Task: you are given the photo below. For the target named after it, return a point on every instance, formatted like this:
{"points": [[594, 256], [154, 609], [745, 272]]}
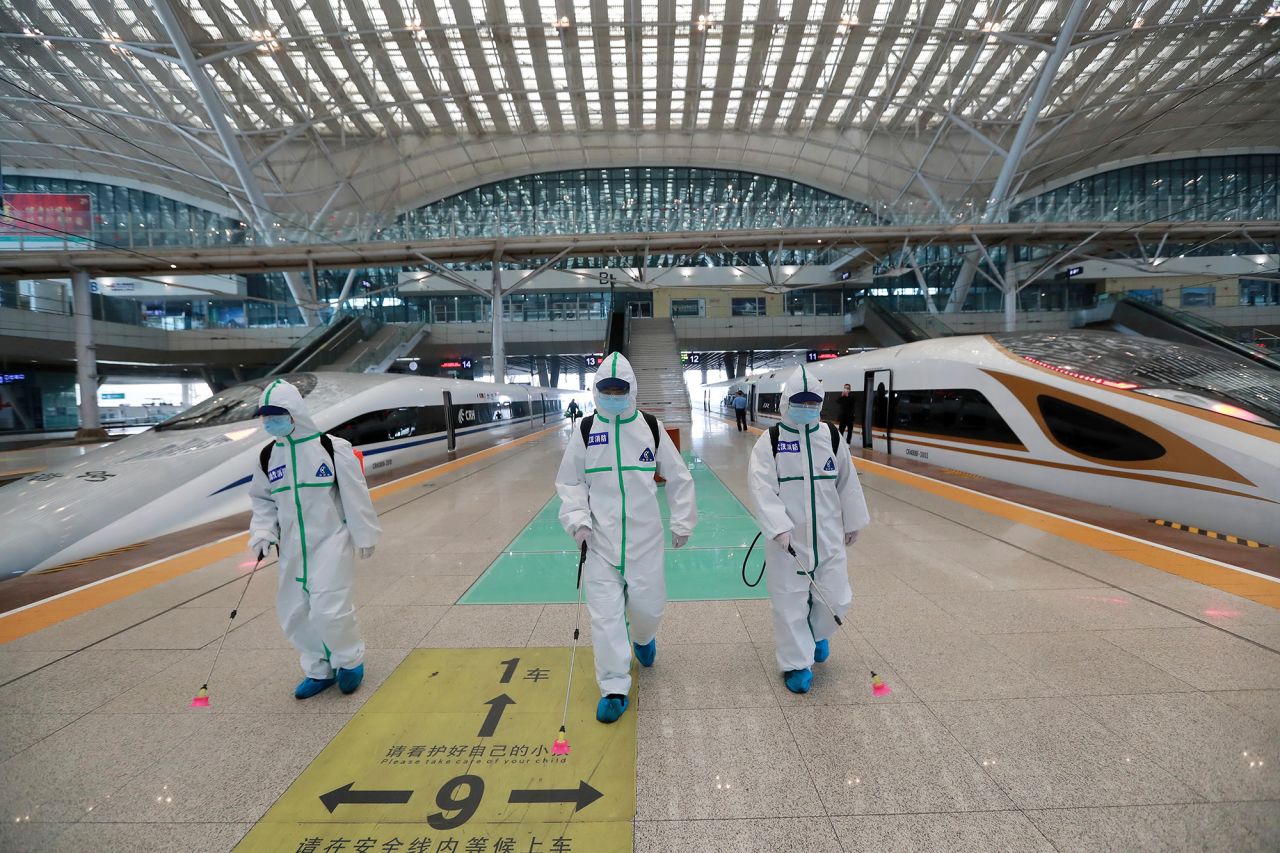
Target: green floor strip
{"points": [[540, 565]]}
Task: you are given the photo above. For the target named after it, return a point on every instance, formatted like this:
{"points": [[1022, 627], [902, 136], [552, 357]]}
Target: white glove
{"points": [[581, 535], [365, 553], [678, 541], [259, 543], [783, 539], [850, 537]]}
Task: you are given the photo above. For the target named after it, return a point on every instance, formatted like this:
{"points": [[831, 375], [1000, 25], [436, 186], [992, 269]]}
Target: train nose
{"points": [[27, 543]]}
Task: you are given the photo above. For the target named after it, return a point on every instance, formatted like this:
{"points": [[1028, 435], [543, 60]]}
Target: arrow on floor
{"points": [[582, 796], [497, 705], [339, 796]]}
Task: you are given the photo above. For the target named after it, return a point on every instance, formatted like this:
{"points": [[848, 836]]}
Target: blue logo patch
{"points": [[275, 474], [647, 456], [830, 466], [323, 470], [788, 447], [597, 438]]}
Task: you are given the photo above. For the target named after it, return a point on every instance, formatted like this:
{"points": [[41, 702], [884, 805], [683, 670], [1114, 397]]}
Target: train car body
{"points": [[1160, 429], [196, 467]]}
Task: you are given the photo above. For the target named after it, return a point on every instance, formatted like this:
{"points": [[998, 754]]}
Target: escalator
{"points": [[324, 345], [1134, 316], [891, 328]]}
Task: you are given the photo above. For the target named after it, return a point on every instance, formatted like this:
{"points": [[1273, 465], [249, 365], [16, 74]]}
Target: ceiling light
{"points": [[563, 23], [991, 26], [1138, 22], [704, 22], [847, 22]]}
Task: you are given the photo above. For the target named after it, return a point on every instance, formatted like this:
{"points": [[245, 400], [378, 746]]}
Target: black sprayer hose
{"points": [[744, 564]]}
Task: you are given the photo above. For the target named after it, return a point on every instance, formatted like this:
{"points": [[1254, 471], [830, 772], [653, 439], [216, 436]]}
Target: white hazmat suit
{"points": [[318, 509], [811, 490], [606, 484]]}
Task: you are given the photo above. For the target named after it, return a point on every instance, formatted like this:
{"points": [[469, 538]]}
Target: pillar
{"points": [[499, 345], [86, 357]]}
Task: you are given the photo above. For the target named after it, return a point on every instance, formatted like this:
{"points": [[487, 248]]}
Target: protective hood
{"points": [[617, 366], [800, 379], [282, 394]]}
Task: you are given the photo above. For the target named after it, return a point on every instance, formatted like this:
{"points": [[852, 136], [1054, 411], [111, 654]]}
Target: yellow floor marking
{"points": [[42, 614], [1242, 582], [455, 747]]}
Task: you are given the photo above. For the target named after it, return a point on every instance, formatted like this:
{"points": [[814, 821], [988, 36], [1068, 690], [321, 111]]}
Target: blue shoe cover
{"points": [[821, 651], [349, 679], [311, 686], [646, 653], [611, 707], [798, 680]]}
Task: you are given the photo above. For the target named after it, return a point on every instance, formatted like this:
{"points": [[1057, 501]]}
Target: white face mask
{"points": [[805, 413], [614, 404]]}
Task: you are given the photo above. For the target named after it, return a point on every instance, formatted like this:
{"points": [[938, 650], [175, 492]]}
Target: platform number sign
{"points": [[467, 364], [694, 358], [593, 360]]}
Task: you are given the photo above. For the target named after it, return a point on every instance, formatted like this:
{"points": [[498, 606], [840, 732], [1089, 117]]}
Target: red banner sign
{"points": [[47, 214]]}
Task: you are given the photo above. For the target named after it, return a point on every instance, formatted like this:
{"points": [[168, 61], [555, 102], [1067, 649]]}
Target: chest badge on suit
{"points": [[323, 470], [830, 466], [647, 456]]}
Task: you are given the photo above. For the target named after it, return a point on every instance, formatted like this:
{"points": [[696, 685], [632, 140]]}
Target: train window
{"points": [[951, 412], [768, 402], [234, 405], [391, 424], [537, 407], [1092, 434], [519, 409]]}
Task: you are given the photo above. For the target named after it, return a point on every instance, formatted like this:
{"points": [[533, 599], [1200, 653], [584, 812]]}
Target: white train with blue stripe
{"points": [[195, 468]]}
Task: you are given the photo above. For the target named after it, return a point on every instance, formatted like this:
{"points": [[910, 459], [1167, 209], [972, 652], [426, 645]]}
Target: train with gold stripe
{"points": [[195, 468], [1161, 429]]}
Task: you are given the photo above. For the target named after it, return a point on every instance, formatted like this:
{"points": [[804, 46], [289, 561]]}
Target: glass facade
{"points": [[1196, 188], [637, 199], [136, 218]]}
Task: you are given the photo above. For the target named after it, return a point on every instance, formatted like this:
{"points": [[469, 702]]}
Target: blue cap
{"points": [[270, 410], [613, 383], [805, 397]]}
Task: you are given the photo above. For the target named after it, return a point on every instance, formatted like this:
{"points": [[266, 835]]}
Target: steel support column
{"points": [[86, 356], [998, 203], [499, 345], [216, 110]]}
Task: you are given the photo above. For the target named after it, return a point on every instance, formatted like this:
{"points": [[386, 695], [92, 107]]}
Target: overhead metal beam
{"points": [[998, 201], [216, 110], [875, 240]]}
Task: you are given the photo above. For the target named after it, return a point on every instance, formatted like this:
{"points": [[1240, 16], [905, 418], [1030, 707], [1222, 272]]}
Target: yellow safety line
{"points": [[1242, 582], [42, 614]]}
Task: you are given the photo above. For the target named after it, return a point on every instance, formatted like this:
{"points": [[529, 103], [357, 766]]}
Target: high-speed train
{"points": [[196, 467], [1161, 429]]}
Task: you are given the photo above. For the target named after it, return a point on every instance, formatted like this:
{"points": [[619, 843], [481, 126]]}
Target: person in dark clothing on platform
{"points": [[740, 410], [846, 413]]}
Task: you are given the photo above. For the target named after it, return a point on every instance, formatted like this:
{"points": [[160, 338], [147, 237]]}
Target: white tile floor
{"points": [[1046, 696]]}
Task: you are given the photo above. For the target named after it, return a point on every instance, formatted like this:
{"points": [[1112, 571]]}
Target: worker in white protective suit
{"points": [[311, 501], [609, 500], [807, 499]]}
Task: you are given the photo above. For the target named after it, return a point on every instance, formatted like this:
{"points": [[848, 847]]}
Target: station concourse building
{"points": [[439, 220]]}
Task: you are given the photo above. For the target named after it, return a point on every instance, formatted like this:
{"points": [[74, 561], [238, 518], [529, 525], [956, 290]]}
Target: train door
{"points": [[451, 440], [877, 391], [751, 403], [544, 408]]}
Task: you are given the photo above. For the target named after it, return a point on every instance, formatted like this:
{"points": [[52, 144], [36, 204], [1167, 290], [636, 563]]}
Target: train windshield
{"points": [[234, 405], [1176, 372]]}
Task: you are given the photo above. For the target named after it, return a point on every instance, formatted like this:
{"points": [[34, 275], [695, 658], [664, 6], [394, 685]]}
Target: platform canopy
{"points": [[307, 112]]}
